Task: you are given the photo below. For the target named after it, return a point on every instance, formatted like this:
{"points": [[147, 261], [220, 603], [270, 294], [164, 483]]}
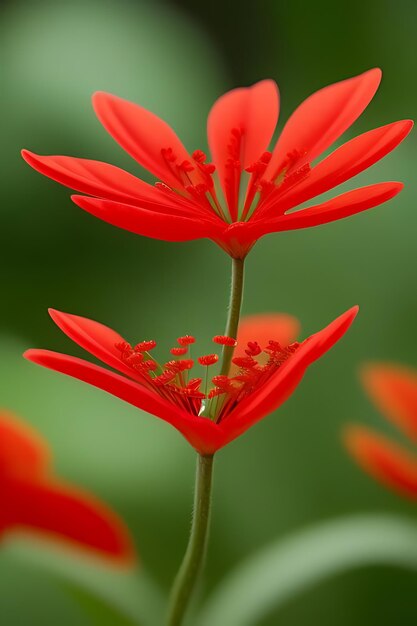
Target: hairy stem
{"points": [[193, 561], [235, 303]]}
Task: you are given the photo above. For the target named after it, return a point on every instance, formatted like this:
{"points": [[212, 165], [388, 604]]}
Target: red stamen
{"points": [[208, 359], [253, 348], [145, 346], [179, 351], [223, 340], [244, 362], [179, 366], [186, 340]]}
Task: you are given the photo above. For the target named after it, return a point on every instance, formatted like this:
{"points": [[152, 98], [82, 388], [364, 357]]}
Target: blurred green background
{"points": [[291, 470]]}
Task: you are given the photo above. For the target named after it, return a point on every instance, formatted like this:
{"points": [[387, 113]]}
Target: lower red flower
{"points": [[33, 499], [209, 410], [393, 388]]}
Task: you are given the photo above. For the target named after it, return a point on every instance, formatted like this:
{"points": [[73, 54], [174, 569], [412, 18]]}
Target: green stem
{"points": [[193, 561], [236, 295]]}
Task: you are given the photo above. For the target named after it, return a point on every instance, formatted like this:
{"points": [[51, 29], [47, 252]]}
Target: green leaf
{"points": [[130, 595], [286, 568], [101, 612]]}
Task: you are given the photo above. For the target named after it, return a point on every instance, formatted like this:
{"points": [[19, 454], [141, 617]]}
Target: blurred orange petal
{"points": [[393, 389], [34, 499], [388, 462]]}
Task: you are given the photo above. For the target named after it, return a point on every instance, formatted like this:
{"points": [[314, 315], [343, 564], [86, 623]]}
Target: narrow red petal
{"points": [[322, 118], [63, 512], [201, 433], [389, 463], [342, 206], [155, 224], [22, 450], [253, 111], [277, 390], [347, 161], [141, 133], [96, 338], [393, 388]]}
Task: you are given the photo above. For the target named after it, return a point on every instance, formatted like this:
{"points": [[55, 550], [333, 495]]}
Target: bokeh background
{"points": [[291, 470]]}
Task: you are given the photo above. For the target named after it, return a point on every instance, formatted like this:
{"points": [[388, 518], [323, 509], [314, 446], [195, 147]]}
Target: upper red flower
{"points": [[210, 411], [393, 388], [33, 499], [258, 188]]}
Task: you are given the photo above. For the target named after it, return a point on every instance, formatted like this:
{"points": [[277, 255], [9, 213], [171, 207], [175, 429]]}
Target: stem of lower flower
{"points": [[235, 303], [193, 561]]}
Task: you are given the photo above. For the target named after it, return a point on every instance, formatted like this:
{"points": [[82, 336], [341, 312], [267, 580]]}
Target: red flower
{"points": [[210, 411], [33, 499], [393, 389], [187, 204]]}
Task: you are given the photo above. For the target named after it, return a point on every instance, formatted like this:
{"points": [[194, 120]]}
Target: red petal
{"points": [[347, 161], [387, 462], [323, 118], [201, 433], [393, 388], [262, 327], [155, 224], [94, 177], [274, 392], [141, 133], [64, 512], [22, 451], [253, 110], [342, 206], [96, 338]]}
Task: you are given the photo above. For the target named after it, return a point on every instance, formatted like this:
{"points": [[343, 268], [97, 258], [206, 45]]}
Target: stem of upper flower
{"points": [[235, 303], [193, 561]]}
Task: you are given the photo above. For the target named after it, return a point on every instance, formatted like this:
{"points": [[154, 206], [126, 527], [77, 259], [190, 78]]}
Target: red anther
{"points": [[194, 383], [179, 366], [209, 168], [215, 392], [266, 157], [222, 381], [150, 365], [199, 156], [123, 346], [244, 362], [145, 346], [187, 391], [253, 348], [186, 340], [134, 358], [178, 351], [168, 154], [197, 190], [186, 166], [273, 346], [164, 378], [208, 359], [223, 340]]}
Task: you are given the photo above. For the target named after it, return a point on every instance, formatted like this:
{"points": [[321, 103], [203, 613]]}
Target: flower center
{"points": [[246, 192], [207, 395]]}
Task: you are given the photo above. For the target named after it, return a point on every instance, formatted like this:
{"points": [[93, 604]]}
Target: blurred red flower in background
{"points": [[258, 188], [393, 389], [212, 410], [33, 499]]}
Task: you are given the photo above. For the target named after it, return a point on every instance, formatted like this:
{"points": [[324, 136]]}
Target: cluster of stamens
{"points": [[212, 396], [195, 177]]}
